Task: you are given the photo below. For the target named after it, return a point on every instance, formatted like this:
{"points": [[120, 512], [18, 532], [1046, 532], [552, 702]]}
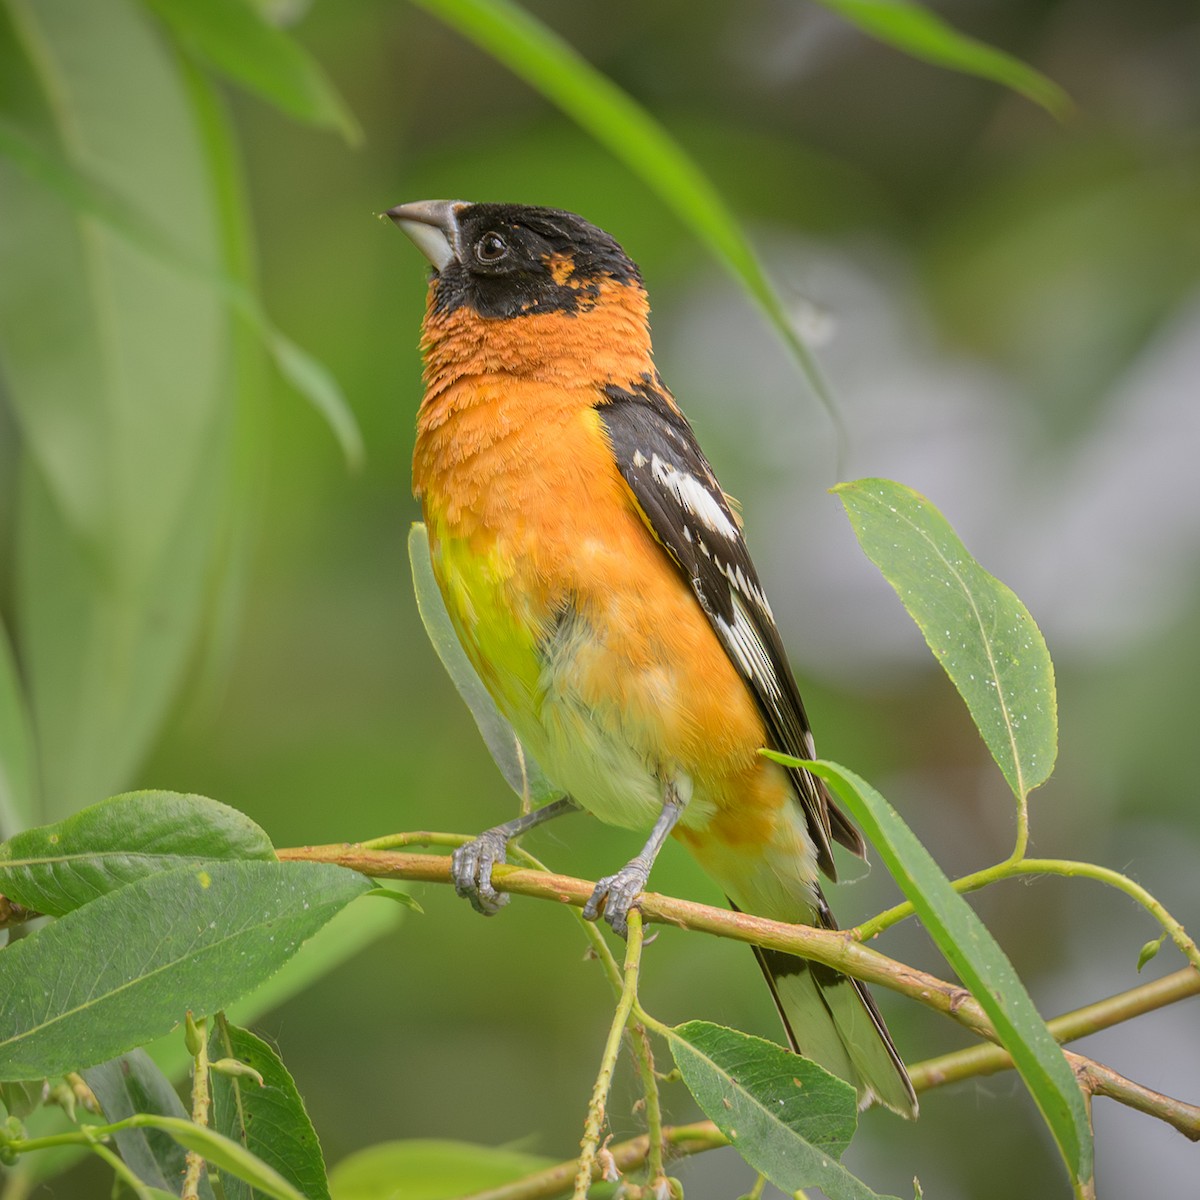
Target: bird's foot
{"points": [[471, 871], [616, 894]]}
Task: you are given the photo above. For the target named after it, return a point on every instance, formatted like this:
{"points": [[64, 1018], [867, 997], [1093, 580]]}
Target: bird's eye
{"points": [[491, 248]]}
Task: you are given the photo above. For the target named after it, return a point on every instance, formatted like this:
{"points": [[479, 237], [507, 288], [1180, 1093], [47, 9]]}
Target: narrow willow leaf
{"points": [[428, 1170], [235, 38], [133, 1084], [977, 960], [116, 374], [550, 65], [516, 764], [976, 627], [787, 1117], [226, 1155], [92, 196], [923, 34], [17, 794], [125, 968], [57, 868], [268, 1120]]}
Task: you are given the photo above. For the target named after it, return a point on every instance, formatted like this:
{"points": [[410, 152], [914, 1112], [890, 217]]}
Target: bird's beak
{"points": [[433, 227]]}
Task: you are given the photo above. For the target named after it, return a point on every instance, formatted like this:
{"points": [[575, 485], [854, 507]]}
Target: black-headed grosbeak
{"points": [[600, 584]]}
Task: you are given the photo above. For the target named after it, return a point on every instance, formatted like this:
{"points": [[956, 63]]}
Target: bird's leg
{"points": [[615, 894], [471, 864]]}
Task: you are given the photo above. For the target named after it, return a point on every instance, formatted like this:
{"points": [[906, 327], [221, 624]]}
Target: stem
{"points": [[200, 1102], [643, 1056], [85, 1135], [596, 1109], [553, 1181], [1022, 842], [1098, 1080], [639, 1041], [122, 1171], [1047, 866]]}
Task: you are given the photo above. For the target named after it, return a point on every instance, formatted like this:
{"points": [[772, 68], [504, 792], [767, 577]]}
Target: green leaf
{"points": [[350, 931], [235, 38], [269, 1120], [20, 1097], [924, 35], [397, 897], [787, 1117], [58, 868], [554, 68], [516, 764], [116, 372], [93, 197], [224, 1154], [1149, 950], [428, 1170], [976, 958], [976, 627], [133, 1084], [17, 793], [125, 968]]}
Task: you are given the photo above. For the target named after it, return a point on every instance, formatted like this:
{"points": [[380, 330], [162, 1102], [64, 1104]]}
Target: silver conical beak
{"points": [[433, 227]]}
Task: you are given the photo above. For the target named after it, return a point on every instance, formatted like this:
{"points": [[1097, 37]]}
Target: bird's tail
{"points": [[832, 1019]]}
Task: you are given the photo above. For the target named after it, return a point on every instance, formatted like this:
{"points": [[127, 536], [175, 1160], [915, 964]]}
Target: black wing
{"points": [[689, 515]]}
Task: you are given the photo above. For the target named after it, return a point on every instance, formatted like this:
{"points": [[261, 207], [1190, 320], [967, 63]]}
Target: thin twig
{"points": [[628, 1156], [122, 1171], [194, 1160], [598, 1107], [1013, 867], [1098, 1080]]}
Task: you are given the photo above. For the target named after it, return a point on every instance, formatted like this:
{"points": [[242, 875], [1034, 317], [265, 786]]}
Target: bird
{"points": [[600, 583]]}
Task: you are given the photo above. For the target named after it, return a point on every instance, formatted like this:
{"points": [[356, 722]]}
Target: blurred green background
{"points": [[1009, 312]]}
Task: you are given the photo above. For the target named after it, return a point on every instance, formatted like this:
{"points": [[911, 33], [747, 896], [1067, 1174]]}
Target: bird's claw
{"points": [[616, 894], [471, 872]]}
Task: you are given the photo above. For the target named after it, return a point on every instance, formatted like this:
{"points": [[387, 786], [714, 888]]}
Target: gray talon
{"points": [[471, 864], [616, 895], [471, 871]]}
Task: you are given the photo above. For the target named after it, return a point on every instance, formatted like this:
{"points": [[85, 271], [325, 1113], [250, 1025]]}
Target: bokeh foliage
{"points": [[198, 596]]}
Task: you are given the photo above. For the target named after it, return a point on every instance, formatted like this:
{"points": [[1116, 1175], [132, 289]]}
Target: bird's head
{"points": [[510, 260]]}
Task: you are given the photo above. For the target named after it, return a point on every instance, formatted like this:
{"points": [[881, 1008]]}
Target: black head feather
{"points": [[513, 260]]}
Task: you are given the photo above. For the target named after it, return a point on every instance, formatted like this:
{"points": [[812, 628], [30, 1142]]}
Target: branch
{"points": [[835, 948], [1103, 1014], [1098, 1080]]}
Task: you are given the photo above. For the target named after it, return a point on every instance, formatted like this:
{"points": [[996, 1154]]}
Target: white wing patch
{"points": [[742, 640], [694, 496]]}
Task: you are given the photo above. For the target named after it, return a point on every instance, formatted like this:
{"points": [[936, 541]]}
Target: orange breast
{"points": [[513, 468]]}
